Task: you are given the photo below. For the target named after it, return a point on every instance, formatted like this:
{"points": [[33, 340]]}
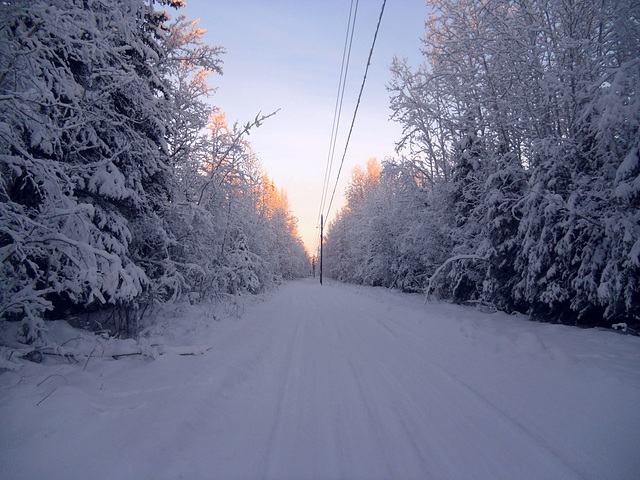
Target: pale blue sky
{"points": [[287, 54]]}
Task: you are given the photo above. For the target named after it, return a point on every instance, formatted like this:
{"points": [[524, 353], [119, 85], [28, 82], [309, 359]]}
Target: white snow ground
{"points": [[330, 382]]}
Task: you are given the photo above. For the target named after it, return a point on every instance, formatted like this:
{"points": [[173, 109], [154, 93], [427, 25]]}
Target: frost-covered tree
{"points": [[521, 130], [110, 195], [233, 231], [580, 231], [285, 248], [83, 154], [350, 243], [384, 235]]}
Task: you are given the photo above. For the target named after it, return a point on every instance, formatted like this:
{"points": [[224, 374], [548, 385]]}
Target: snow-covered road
{"points": [[338, 382]]}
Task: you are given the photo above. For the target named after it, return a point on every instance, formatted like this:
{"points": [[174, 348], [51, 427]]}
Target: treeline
{"points": [[120, 186], [519, 186]]}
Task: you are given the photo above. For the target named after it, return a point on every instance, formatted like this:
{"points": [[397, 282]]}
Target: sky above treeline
{"points": [[287, 55]]}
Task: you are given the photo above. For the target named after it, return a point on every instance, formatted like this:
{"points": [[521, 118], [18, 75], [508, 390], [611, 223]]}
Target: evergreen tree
{"points": [[83, 154]]}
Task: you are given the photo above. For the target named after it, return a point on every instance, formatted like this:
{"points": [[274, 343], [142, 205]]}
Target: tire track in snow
{"points": [[468, 399], [371, 371], [338, 436], [469, 391], [287, 396], [375, 370], [326, 383]]}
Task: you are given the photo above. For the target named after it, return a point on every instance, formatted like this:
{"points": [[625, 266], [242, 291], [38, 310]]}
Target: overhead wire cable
{"points": [[355, 112], [338, 107], [344, 68]]}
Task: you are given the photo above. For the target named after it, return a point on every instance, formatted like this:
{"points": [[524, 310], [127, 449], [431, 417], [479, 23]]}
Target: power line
{"points": [[339, 99], [346, 56], [355, 112]]}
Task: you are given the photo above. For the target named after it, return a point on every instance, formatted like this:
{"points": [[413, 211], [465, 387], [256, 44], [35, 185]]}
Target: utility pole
{"points": [[321, 239]]}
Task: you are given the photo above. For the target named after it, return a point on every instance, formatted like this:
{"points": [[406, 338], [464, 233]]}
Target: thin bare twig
{"points": [[38, 404]]}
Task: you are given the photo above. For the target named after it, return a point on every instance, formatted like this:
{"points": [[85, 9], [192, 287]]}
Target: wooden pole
{"points": [[321, 239]]}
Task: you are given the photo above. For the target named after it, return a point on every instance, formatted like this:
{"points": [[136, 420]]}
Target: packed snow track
{"points": [[337, 382]]}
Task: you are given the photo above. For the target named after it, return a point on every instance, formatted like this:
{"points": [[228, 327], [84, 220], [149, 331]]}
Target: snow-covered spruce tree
{"points": [[580, 231], [461, 280], [504, 190], [83, 156]]}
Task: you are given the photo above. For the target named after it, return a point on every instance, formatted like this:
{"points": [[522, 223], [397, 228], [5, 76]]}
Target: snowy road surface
{"points": [[337, 382]]}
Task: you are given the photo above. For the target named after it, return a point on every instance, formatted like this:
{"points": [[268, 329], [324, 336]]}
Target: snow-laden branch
{"points": [[236, 140], [456, 258]]}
